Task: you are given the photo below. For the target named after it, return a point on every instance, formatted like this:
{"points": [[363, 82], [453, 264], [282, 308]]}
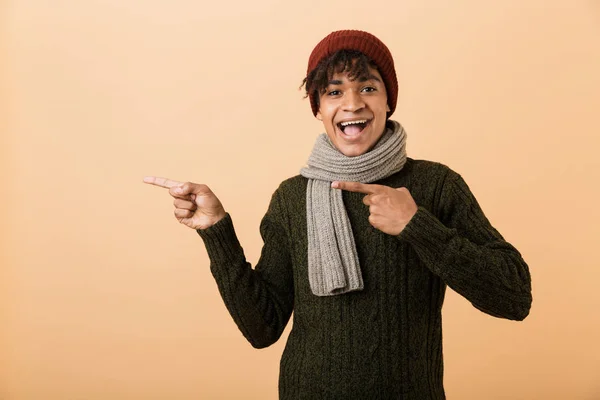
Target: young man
{"points": [[360, 246]]}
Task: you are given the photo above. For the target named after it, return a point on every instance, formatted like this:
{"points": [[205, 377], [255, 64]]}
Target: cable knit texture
{"points": [[385, 341], [333, 265]]}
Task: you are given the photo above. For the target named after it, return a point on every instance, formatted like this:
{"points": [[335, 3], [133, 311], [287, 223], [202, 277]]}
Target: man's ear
{"points": [[387, 108], [319, 116]]}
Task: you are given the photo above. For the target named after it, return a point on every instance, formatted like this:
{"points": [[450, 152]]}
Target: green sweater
{"points": [[384, 342]]}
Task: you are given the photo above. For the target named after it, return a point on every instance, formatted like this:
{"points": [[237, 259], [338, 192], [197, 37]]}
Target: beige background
{"points": [[103, 295]]}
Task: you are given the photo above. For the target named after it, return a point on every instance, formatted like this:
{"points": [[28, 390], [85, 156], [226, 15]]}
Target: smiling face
{"points": [[354, 111]]}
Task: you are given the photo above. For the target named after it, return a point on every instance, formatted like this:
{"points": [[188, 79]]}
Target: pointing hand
{"points": [[390, 209], [196, 206]]}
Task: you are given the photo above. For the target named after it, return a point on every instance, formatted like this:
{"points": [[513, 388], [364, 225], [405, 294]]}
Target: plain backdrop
{"points": [[104, 295]]}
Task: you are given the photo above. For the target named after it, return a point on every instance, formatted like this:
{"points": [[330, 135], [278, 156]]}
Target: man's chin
{"points": [[352, 151]]}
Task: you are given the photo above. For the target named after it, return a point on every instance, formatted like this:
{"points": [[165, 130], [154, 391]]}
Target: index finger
{"points": [[162, 182], [357, 187]]}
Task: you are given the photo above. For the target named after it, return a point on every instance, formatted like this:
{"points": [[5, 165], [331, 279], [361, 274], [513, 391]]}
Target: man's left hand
{"points": [[390, 209]]}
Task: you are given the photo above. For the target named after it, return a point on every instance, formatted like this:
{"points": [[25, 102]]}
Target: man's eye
{"points": [[369, 89], [333, 93]]}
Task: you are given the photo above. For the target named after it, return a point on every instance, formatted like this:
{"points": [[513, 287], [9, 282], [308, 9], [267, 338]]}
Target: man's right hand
{"points": [[196, 206]]}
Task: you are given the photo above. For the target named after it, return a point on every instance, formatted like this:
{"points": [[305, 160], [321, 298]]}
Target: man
{"points": [[360, 246]]}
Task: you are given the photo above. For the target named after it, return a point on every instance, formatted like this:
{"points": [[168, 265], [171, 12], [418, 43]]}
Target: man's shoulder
{"points": [[294, 186], [295, 180], [428, 168]]}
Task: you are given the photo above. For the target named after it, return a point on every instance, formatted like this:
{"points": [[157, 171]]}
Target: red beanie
{"points": [[367, 44]]}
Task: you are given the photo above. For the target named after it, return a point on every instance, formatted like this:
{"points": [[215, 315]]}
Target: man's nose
{"points": [[353, 101]]}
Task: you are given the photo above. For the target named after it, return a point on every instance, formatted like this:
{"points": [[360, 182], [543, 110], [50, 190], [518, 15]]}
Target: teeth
{"points": [[364, 121]]}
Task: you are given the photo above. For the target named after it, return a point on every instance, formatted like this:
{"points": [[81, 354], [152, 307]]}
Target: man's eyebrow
{"points": [[369, 78]]}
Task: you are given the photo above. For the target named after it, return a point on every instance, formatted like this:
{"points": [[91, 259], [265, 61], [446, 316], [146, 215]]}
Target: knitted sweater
{"points": [[384, 342]]}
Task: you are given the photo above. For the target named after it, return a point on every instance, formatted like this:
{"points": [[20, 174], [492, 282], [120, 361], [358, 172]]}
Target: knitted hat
{"points": [[367, 44]]}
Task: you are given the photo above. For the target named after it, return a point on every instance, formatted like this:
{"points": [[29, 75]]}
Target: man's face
{"points": [[363, 100]]}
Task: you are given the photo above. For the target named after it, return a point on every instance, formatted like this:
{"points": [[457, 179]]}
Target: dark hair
{"points": [[354, 62]]}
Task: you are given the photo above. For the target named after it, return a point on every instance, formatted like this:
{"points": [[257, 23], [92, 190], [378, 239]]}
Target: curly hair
{"points": [[352, 61]]}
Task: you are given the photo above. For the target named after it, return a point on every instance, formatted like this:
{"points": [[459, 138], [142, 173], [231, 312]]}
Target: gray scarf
{"points": [[333, 266]]}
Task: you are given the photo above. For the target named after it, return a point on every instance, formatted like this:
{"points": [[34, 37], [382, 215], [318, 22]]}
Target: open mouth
{"points": [[353, 128]]}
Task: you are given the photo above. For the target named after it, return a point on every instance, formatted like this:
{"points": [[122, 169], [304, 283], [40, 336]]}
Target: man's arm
{"points": [[260, 300], [469, 254]]}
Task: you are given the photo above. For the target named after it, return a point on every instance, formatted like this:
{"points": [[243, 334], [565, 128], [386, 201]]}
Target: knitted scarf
{"points": [[333, 266]]}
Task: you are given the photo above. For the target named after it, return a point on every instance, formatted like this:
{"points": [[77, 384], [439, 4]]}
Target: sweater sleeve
{"points": [[260, 300], [469, 254]]}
